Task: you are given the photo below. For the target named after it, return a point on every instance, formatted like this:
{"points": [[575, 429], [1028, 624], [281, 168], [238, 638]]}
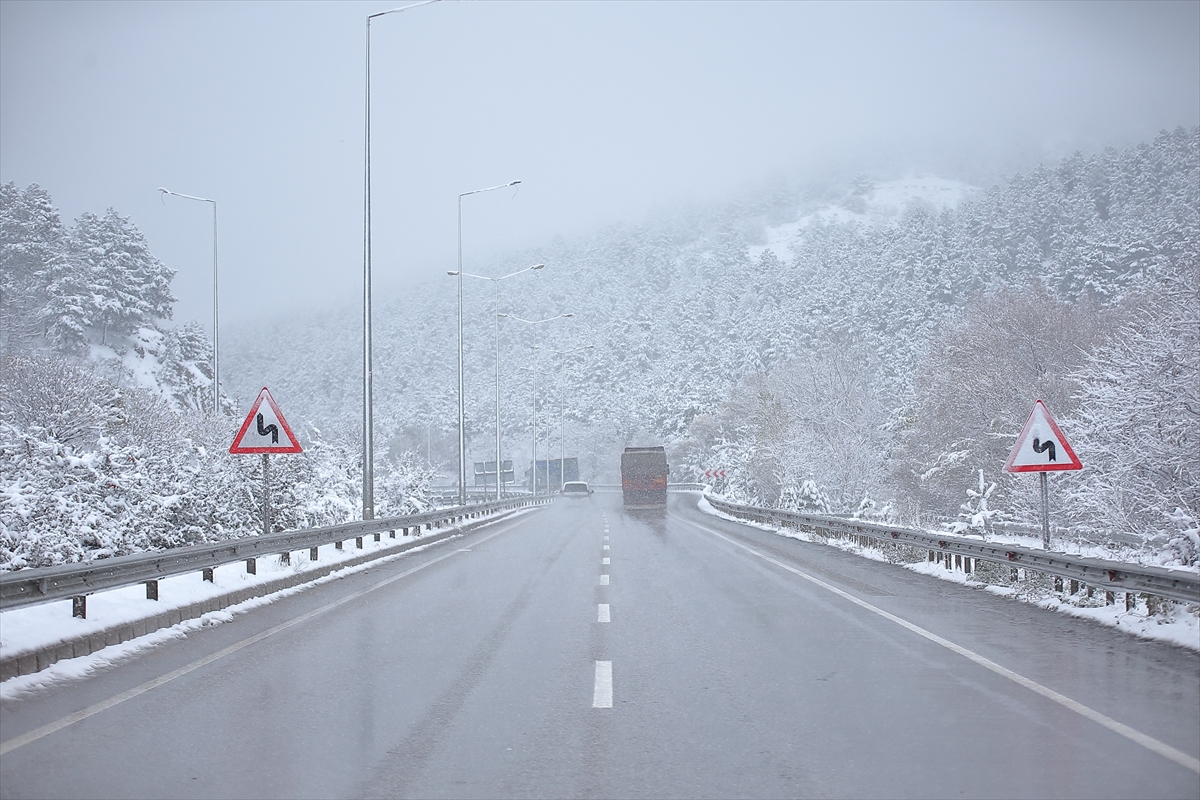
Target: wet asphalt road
{"points": [[731, 676]]}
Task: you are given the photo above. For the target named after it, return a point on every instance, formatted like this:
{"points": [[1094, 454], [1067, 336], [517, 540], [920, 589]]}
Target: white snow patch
{"points": [[882, 204]]}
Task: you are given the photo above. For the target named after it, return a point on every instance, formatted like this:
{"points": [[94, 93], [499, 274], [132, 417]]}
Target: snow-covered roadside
{"points": [[34, 628], [1176, 623]]}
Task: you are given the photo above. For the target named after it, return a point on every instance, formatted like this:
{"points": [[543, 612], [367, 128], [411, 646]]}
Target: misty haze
{"points": [[599, 399]]}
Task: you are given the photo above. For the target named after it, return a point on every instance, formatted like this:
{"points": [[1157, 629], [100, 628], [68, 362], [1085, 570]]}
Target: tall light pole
{"points": [[562, 410], [462, 407], [216, 360], [368, 375], [533, 451], [462, 416], [527, 322]]}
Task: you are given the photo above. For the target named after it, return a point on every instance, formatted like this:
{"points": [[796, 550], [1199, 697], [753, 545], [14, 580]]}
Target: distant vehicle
{"points": [[576, 489], [644, 477]]}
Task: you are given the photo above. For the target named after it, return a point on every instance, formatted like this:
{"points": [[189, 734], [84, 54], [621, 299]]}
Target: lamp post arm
{"points": [[216, 327]]}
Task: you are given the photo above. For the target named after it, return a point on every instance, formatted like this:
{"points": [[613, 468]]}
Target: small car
{"points": [[576, 489]]}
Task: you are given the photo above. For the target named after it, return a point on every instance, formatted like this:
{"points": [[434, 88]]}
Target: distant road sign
{"points": [[265, 430], [1041, 447]]}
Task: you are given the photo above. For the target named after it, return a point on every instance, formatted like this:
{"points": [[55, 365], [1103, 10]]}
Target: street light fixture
{"points": [[216, 362], [462, 408], [368, 375], [497, 364], [462, 456]]}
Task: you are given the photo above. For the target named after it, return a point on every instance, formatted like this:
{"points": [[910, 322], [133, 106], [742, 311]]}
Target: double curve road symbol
{"points": [[273, 429], [1038, 446]]}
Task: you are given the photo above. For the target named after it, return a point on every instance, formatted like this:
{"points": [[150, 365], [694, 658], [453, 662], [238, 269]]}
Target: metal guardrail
{"points": [[1095, 572], [32, 586], [671, 487]]}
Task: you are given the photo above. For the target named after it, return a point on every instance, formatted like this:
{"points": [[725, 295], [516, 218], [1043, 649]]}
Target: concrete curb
{"points": [[31, 661]]}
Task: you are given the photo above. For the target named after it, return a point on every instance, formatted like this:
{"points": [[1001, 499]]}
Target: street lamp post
{"points": [[368, 375], [533, 451], [562, 410], [216, 360], [462, 408], [527, 322], [462, 437]]}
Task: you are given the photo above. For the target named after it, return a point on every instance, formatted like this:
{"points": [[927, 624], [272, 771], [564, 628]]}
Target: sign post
{"points": [[265, 431], [1042, 448]]}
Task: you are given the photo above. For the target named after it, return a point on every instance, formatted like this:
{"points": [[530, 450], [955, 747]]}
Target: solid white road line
{"points": [[602, 694], [602, 614], [606, 560], [1119, 728], [162, 680], [604, 580]]}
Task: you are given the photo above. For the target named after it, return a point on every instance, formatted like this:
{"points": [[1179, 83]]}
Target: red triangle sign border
{"points": [[1072, 462], [237, 449]]}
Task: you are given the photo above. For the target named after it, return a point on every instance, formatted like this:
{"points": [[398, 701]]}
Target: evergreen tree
{"points": [[119, 284]]}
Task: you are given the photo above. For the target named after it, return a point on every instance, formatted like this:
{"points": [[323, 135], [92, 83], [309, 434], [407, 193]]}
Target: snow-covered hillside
{"points": [[888, 353], [107, 441], [881, 203]]}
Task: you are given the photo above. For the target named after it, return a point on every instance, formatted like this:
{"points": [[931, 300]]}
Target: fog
{"points": [[605, 111]]}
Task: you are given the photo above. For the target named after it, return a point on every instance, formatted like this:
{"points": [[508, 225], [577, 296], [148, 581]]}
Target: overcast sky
{"points": [[605, 111]]}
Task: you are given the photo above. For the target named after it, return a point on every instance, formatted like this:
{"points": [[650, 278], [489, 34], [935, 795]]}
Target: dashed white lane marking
{"points": [[602, 613], [1121, 729], [129, 694], [602, 694], [606, 560], [605, 547], [604, 580], [606, 538]]}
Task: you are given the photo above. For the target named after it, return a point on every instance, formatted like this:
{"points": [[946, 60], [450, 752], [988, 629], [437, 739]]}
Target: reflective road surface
{"points": [[577, 651]]}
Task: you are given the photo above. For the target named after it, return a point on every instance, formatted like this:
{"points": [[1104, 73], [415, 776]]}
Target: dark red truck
{"points": [[644, 477]]}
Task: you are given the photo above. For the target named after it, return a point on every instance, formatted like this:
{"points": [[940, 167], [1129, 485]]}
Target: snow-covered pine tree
{"points": [[31, 252], [116, 280]]}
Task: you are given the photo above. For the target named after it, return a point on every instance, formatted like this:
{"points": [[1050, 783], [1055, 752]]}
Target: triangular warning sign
{"points": [[1041, 447], [265, 430]]}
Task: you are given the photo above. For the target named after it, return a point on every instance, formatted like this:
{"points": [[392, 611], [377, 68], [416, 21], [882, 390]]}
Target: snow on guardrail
{"points": [[1174, 584]]}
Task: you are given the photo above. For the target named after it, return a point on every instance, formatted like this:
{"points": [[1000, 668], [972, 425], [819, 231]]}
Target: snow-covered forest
{"points": [[871, 347], [107, 441], [868, 347]]}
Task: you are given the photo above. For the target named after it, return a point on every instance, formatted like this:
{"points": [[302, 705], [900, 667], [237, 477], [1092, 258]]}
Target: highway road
{"points": [[577, 651]]}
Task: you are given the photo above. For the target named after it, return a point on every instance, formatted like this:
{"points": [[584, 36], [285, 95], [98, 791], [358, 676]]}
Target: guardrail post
{"points": [[1130, 601], [1109, 598], [79, 606], [206, 574], [968, 564], [358, 542], [957, 561], [312, 554], [1058, 583], [285, 559], [251, 566], [392, 534], [1074, 585], [151, 590], [377, 537], [337, 545]]}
